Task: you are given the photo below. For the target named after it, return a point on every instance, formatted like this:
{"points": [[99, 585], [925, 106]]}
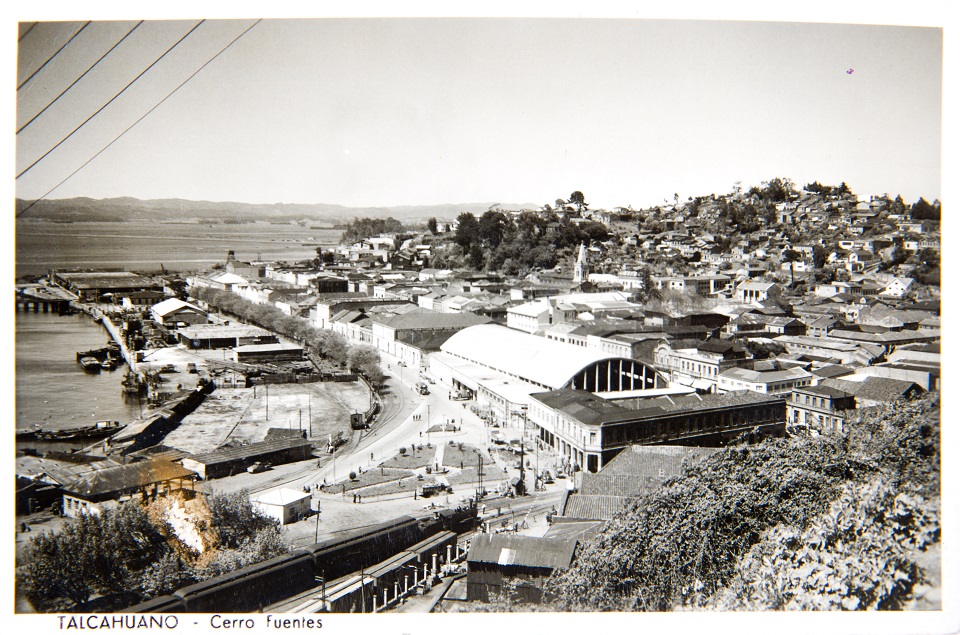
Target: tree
{"points": [[363, 359], [791, 256], [577, 199], [922, 210], [432, 225], [361, 228], [468, 230], [330, 345], [492, 226], [236, 519], [819, 256]]}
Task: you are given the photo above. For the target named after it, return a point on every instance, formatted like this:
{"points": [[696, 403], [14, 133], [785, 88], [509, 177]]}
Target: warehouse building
{"points": [[267, 353], [209, 336], [228, 461], [503, 366]]}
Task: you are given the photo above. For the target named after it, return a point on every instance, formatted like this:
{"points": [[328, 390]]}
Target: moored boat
{"points": [[99, 431], [90, 364]]}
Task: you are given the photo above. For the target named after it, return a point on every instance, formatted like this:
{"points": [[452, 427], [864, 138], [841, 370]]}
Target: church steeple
{"points": [[581, 270]]}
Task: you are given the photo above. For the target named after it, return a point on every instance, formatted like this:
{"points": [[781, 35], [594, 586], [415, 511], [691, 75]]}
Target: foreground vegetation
{"points": [[130, 554], [833, 523]]}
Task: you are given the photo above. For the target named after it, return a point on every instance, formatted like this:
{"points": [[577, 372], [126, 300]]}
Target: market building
{"points": [[589, 431]]}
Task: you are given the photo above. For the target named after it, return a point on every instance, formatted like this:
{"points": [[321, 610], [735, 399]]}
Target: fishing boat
{"points": [[90, 364]]}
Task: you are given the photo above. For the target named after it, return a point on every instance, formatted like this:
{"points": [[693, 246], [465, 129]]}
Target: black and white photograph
{"points": [[494, 312]]}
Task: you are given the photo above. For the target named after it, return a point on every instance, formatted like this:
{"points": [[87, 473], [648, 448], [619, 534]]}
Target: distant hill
{"points": [[131, 209]]}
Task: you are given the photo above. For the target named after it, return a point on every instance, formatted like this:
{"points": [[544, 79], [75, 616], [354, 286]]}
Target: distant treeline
{"points": [[360, 228]]}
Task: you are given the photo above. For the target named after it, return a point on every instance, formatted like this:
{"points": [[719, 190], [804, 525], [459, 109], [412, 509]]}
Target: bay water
{"points": [[52, 390]]}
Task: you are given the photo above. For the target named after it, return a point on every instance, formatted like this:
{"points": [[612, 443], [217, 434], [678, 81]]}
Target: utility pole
{"points": [[480, 474], [266, 399]]}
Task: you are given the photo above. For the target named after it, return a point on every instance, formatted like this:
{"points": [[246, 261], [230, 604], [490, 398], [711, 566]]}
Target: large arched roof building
{"points": [[540, 362]]}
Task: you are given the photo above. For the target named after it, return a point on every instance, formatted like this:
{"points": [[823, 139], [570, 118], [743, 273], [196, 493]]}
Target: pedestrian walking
{"points": [[354, 498]]}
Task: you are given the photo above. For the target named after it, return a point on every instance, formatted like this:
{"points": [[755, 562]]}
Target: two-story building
{"points": [[588, 431], [768, 382], [700, 366], [819, 408]]}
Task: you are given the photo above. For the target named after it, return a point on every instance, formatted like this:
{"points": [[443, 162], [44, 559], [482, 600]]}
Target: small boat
{"points": [[90, 364], [109, 364]]}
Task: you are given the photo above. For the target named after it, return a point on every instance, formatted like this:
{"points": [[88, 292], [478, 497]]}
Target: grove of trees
{"points": [[497, 242], [360, 228]]}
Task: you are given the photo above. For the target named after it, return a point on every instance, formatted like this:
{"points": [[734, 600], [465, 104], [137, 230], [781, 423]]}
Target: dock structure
{"points": [[43, 298], [128, 356]]}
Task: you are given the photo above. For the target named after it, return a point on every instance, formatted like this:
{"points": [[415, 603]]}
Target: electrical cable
{"points": [[112, 99], [25, 33], [79, 78], [49, 59], [117, 138]]}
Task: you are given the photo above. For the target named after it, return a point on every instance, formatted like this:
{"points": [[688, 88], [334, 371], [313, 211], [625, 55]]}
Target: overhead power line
{"points": [[49, 59], [131, 126], [25, 33], [112, 99], [32, 119]]}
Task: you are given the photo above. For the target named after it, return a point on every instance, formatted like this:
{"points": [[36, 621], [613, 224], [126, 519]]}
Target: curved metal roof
{"points": [[529, 357]]}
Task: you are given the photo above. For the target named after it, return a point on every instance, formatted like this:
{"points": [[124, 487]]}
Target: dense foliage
{"points": [[361, 228], [498, 242], [846, 509], [130, 553]]}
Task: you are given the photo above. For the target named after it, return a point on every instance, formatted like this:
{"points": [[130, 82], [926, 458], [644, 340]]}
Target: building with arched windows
{"points": [[503, 366]]}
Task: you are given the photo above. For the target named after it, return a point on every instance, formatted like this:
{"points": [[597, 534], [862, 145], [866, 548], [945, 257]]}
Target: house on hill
{"points": [[757, 291]]}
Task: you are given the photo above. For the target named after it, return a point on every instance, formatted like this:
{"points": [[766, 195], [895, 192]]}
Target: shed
{"points": [[285, 504], [152, 477], [495, 560]]}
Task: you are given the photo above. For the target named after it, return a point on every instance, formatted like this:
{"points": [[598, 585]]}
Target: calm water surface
{"points": [[51, 387]]}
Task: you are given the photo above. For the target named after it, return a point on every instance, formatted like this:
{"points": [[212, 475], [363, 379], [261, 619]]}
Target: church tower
{"points": [[581, 270]]}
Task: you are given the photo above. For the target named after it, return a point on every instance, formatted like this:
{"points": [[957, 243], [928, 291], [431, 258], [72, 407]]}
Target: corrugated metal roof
{"points": [[124, 477], [882, 389], [250, 450], [420, 318], [650, 461], [581, 531], [522, 551], [534, 359], [594, 507]]}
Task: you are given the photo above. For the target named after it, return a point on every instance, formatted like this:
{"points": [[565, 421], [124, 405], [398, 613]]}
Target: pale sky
{"points": [[420, 111]]}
